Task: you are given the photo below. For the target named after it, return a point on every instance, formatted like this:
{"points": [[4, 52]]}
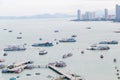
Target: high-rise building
{"points": [[117, 12], [78, 14], [106, 14]]}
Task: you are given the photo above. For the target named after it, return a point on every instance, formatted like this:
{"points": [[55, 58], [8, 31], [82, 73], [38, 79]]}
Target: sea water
{"points": [[88, 65]]}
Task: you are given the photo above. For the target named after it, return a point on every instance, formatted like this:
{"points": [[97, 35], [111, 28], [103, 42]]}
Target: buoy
{"points": [[114, 60], [82, 52], [117, 70], [40, 38], [118, 77], [18, 77], [117, 74], [56, 42], [5, 54], [101, 56], [115, 67]]}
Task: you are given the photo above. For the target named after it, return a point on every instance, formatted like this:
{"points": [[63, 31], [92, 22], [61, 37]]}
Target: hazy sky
{"points": [[32, 7]]}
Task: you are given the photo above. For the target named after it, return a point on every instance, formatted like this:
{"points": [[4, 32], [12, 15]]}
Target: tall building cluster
{"points": [[91, 16]]}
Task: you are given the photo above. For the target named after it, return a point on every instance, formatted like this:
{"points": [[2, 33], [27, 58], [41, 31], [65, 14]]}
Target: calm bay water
{"points": [[89, 65]]}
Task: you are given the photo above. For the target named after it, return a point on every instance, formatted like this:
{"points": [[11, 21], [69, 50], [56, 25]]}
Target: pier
{"points": [[65, 74]]}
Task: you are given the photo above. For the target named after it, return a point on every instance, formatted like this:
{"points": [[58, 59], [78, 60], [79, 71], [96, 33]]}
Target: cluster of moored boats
{"points": [[16, 67]]}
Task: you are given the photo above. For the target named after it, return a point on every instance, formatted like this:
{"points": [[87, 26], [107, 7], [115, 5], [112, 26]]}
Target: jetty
{"points": [[65, 74]]}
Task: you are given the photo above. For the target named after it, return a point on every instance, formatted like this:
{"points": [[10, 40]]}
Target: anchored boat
{"points": [[68, 40], [47, 44], [15, 48]]}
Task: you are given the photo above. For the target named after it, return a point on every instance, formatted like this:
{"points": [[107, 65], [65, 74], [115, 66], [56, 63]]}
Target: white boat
{"points": [[15, 48], [43, 52], [99, 48], [67, 40]]}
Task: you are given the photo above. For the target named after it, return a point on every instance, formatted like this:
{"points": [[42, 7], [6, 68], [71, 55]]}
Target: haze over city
{"points": [[33, 7]]}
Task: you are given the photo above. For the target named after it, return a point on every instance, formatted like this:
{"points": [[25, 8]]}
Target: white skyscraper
{"points": [[106, 14]]}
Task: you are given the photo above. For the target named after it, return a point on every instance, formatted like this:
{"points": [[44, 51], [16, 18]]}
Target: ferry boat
{"points": [[15, 48], [108, 42], [68, 40], [43, 52], [47, 44]]}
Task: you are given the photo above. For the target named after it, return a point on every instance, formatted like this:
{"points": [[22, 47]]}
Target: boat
{"points": [[2, 66], [43, 52], [74, 36], [10, 31], [5, 54], [116, 31], [108, 42], [15, 48], [47, 44], [99, 48], [67, 55], [68, 40], [88, 27], [56, 31], [20, 32], [2, 60], [58, 64], [19, 37]]}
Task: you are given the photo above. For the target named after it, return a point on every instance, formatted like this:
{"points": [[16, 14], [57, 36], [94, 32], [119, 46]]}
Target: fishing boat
{"points": [[47, 44]]}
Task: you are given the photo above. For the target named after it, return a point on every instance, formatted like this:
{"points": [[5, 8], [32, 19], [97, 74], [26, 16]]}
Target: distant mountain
{"points": [[57, 15]]}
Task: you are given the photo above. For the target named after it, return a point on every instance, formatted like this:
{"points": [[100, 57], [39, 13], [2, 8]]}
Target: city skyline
{"points": [[33, 7]]}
